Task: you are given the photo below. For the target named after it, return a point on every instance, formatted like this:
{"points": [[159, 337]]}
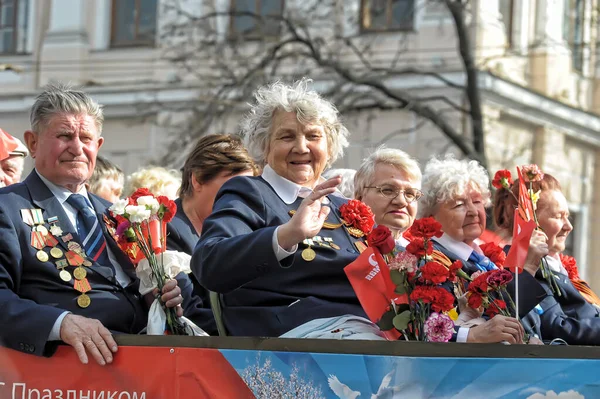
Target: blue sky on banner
{"points": [[366, 376]]}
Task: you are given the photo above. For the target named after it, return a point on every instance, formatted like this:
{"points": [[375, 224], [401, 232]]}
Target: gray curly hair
{"points": [[448, 178], [309, 106]]}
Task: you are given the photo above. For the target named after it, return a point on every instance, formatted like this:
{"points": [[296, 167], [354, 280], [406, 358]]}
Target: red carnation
{"points": [[443, 301], [381, 238], [479, 284], [434, 272], [140, 192], [494, 253], [417, 247], [440, 299], [475, 300], [502, 179], [453, 269], [168, 208], [495, 307], [571, 265], [358, 215], [426, 228], [499, 278]]}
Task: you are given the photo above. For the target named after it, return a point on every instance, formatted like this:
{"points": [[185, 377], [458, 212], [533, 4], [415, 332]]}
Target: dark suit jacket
{"points": [[32, 295], [568, 316], [262, 297], [182, 236]]}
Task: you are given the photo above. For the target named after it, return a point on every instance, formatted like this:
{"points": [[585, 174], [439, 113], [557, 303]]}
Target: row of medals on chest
{"points": [[309, 254], [75, 256]]}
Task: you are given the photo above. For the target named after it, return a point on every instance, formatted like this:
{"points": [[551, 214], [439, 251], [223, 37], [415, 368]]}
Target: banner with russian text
{"points": [[183, 373]]}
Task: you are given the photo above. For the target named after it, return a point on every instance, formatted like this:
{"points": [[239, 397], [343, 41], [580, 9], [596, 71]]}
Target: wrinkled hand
{"points": [[310, 216], [89, 335], [171, 296], [498, 329], [538, 248]]}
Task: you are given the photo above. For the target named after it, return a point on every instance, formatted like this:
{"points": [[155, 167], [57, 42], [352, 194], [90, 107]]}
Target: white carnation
{"points": [[149, 202], [118, 208], [137, 213]]}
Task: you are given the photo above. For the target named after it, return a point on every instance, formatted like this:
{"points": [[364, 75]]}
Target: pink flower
{"points": [[404, 261], [439, 328], [499, 278], [532, 173]]}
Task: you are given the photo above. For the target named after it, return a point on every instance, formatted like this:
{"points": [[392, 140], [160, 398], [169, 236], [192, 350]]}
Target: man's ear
{"points": [[100, 142], [31, 141]]}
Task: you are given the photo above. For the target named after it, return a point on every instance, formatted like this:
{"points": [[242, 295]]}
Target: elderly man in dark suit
{"points": [[62, 277]]}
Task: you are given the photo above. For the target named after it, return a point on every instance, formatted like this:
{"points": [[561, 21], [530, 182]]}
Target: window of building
{"points": [[387, 15], [133, 23], [573, 20], [506, 9], [13, 26], [262, 18]]}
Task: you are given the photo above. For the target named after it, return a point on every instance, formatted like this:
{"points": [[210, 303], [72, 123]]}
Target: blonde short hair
{"points": [[390, 156], [156, 179], [448, 178]]}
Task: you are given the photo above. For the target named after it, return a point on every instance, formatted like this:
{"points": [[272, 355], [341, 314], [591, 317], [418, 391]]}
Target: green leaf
{"points": [[400, 289], [398, 277], [385, 323], [401, 321]]}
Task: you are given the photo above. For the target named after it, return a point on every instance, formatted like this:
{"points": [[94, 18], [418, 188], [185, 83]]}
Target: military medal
{"points": [[79, 273], [354, 232], [37, 240], [42, 229], [87, 263], [360, 246], [42, 256], [56, 253], [83, 286], [38, 218], [334, 246], [56, 230], [309, 254], [83, 301], [67, 237], [74, 258], [65, 276], [26, 216]]}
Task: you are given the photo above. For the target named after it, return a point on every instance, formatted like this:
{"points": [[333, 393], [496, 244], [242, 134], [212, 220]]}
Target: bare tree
{"points": [[227, 53]]}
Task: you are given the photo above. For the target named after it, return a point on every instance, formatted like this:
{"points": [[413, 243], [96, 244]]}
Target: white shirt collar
{"points": [[61, 193], [285, 189], [402, 241], [555, 265], [459, 248]]}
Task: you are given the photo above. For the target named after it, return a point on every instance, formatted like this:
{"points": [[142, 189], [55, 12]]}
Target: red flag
{"points": [[522, 231], [371, 281], [7, 144], [525, 204]]}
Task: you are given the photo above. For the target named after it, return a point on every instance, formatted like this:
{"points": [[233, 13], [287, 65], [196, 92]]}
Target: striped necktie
{"points": [[89, 229]]}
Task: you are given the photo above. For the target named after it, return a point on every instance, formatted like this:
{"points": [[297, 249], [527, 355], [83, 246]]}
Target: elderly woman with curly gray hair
{"points": [[456, 194], [275, 247]]}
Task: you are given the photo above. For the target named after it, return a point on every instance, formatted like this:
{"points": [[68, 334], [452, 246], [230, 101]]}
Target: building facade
{"points": [[538, 62]]}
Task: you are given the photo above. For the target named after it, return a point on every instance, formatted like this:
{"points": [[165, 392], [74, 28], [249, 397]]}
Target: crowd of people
{"points": [[259, 214]]}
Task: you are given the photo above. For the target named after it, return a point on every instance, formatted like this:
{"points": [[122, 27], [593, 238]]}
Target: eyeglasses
{"points": [[391, 192]]}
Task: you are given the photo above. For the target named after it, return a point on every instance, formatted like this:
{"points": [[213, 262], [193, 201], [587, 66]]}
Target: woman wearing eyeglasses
{"points": [[389, 181]]}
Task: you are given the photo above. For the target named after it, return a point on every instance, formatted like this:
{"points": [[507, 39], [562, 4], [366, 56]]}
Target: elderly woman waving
{"points": [[456, 193], [274, 246]]}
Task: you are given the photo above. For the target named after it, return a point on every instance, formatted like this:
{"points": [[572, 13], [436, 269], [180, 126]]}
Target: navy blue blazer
{"points": [[261, 296], [182, 237], [568, 316], [32, 295]]}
